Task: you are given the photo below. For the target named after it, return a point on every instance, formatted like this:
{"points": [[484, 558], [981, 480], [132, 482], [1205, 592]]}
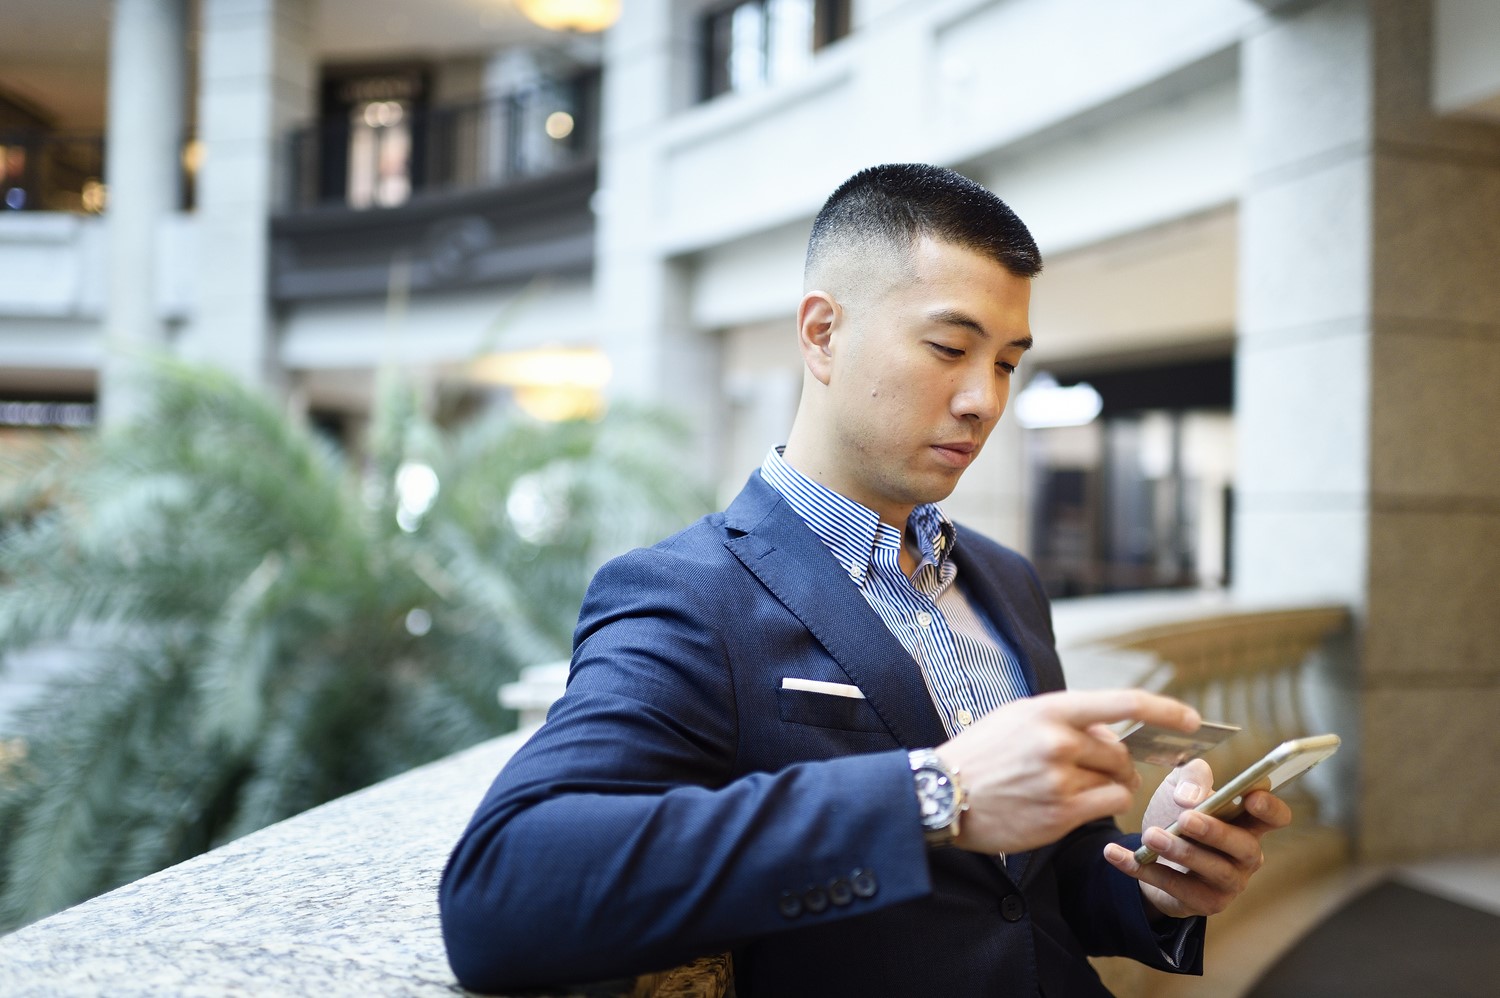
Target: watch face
{"points": [[937, 797]]}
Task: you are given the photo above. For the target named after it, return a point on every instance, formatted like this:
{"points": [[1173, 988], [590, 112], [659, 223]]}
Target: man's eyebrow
{"points": [[953, 317]]}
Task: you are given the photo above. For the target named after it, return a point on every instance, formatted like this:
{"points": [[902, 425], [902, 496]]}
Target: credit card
{"points": [[1166, 747]]}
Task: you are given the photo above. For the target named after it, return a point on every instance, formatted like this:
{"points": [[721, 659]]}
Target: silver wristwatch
{"points": [[940, 798]]}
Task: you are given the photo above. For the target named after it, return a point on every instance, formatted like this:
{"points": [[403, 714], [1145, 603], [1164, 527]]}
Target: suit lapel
{"points": [[773, 543], [983, 587], [770, 540], [990, 594]]}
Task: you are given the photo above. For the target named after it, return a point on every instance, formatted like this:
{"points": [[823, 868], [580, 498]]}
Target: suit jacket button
{"points": [[815, 900], [862, 882], [839, 891], [790, 905], [1012, 908]]}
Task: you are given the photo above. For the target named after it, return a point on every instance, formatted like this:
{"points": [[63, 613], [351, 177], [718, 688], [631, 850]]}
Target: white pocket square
{"points": [[818, 686]]}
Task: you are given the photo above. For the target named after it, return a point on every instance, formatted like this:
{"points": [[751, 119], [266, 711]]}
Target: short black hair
{"points": [[898, 203]]}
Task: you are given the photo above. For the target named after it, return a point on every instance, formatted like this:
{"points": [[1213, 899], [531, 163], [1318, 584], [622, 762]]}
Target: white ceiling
{"points": [[1168, 289], [54, 53]]}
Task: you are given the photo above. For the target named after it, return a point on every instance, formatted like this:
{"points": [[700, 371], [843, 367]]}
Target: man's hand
{"points": [[1037, 768], [1206, 868]]}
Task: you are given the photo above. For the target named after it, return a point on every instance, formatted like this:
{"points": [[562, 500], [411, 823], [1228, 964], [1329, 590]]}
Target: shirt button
{"points": [[1012, 908], [964, 717], [924, 618]]}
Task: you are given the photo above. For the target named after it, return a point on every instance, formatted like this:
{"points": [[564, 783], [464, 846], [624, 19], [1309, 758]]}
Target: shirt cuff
{"points": [[1180, 939]]}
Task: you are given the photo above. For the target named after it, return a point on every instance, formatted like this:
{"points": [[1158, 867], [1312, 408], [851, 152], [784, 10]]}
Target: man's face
{"points": [[918, 376]]}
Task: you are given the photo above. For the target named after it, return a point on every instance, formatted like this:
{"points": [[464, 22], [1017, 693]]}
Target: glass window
{"points": [[379, 153], [1138, 495], [750, 43]]}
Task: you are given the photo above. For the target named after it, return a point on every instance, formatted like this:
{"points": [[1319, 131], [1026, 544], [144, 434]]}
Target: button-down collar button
{"points": [[924, 618], [863, 883], [790, 905], [1012, 908], [815, 900], [839, 891], [964, 717]]}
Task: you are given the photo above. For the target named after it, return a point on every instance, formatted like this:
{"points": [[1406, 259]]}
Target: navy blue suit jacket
{"points": [[678, 802]]}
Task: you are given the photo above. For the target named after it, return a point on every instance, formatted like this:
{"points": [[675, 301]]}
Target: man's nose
{"points": [[982, 397]]}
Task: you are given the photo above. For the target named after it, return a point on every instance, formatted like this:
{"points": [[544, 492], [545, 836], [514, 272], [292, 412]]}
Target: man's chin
{"points": [[939, 489]]}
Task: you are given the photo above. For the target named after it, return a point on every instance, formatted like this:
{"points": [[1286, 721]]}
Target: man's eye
{"points": [[947, 351], [1006, 366]]}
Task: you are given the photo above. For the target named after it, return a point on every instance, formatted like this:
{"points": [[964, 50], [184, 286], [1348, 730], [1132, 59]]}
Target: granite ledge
{"points": [[341, 899]]}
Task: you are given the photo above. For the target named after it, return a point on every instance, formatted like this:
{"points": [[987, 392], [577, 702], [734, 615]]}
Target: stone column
{"points": [[256, 83], [147, 68], [1369, 351], [641, 295]]}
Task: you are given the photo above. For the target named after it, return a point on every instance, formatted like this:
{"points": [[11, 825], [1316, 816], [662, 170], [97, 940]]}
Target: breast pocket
{"points": [[825, 710]]}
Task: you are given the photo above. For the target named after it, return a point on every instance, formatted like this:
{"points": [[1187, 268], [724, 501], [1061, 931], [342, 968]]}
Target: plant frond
{"points": [[258, 633]]}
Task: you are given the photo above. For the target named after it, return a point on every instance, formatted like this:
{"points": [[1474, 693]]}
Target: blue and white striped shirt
{"points": [[967, 666]]}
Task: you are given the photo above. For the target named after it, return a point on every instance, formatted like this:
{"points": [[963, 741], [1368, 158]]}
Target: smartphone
{"points": [[1280, 766]]}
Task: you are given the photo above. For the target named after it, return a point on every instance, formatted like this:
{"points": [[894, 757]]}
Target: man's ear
{"points": [[817, 315]]}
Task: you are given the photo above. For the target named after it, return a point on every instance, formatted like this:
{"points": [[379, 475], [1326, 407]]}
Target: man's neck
{"points": [[891, 517]]}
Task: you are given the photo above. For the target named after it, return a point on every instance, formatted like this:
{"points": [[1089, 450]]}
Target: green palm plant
{"points": [[260, 628]]}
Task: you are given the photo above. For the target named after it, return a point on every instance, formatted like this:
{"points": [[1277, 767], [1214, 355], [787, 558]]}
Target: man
{"points": [[825, 729]]}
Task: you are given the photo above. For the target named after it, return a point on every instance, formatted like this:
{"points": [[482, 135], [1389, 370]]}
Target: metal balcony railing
{"points": [[388, 154]]}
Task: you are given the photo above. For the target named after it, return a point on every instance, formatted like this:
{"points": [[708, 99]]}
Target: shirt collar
{"points": [[935, 534], [851, 530]]}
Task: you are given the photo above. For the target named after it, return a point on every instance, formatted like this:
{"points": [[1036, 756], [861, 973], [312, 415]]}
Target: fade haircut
{"points": [[888, 208]]}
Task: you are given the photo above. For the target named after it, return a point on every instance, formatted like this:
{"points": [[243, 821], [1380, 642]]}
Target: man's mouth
{"points": [[958, 453]]}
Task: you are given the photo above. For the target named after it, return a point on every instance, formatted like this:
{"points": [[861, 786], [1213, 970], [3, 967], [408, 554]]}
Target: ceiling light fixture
{"points": [[571, 15], [552, 383], [1043, 404]]}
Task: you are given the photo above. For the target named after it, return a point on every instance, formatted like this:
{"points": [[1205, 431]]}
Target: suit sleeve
{"points": [[1106, 909], [617, 840]]}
